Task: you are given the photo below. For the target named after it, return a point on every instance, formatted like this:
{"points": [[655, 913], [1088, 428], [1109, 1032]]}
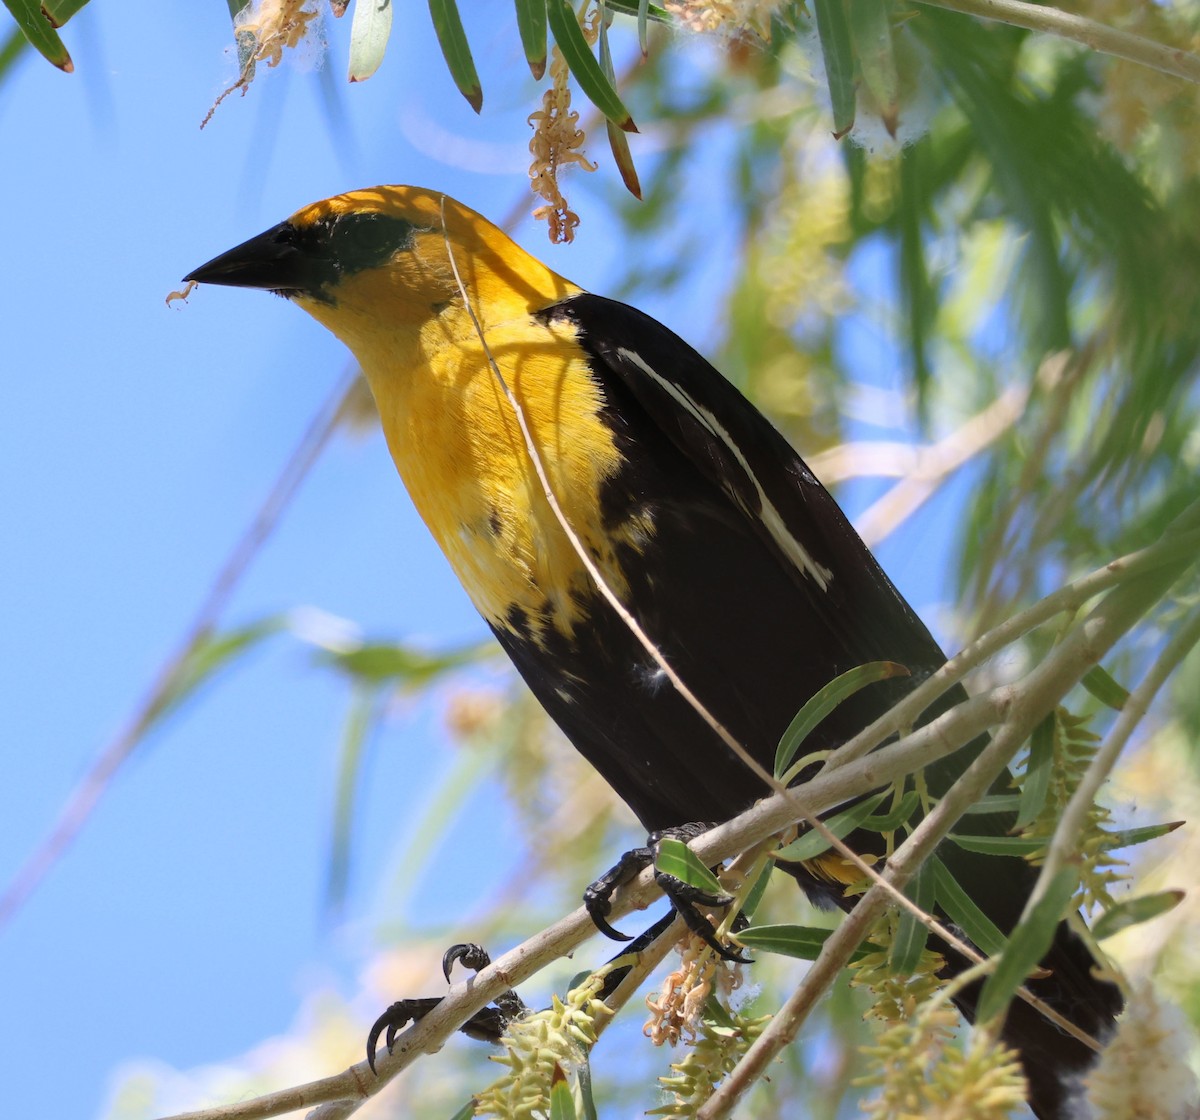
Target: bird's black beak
{"points": [[274, 260]]}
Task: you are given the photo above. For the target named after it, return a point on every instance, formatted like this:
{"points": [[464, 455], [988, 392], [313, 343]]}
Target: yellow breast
{"points": [[456, 442]]}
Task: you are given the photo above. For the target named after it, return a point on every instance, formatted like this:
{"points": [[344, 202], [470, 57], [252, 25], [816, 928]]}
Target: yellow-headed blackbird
{"points": [[698, 514]]}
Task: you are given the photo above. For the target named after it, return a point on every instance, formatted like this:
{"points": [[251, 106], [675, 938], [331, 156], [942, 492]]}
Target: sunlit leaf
{"points": [[456, 50], [802, 942], [562, 1100], [871, 32], [1129, 837], [908, 942], [369, 33], [531, 25], [582, 63], [38, 30], [998, 845], [1133, 911], [677, 859], [59, 11]]}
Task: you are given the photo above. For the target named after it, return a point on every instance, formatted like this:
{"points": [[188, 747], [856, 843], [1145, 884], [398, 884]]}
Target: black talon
{"points": [[395, 1018], [466, 953], [487, 1024], [683, 897]]}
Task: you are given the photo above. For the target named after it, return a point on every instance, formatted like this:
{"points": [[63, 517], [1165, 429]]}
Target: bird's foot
{"points": [[685, 898], [488, 1024]]}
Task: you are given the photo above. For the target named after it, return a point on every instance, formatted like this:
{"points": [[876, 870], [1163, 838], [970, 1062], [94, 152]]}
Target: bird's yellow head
{"points": [[383, 255]]}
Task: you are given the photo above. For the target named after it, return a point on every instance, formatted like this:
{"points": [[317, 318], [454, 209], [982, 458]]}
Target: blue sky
{"points": [[136, 441]]}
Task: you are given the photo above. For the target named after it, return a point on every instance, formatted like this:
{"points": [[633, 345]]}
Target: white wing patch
{"points": [[768, 514]]}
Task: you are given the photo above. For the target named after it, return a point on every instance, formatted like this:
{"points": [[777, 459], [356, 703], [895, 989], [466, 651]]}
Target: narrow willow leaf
{"points": [[467, 1112], [998, 845], [456, 50], [838, 52], [1133, 911], [13, 47], [369, 33], [908, 942], [1035, 786], [1027, 945], [1128, 837], [562, 1101], [582, 63], [362, 717], [617, 140], [960, 908], [379, 662], [819, 706], [812, 843], [38, 30], [644, 26], [59, 11], [634, 8], [894, 818], [802, 942], [1102, 686], [584, 1075], [676, 858], [531, 24], [871, 31], [715, 1013], [995, 803], [205, 659], [756, 892]]}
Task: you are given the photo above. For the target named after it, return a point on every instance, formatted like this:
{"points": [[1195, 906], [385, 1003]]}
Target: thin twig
{"points": [[1099, 36], [83, 799]]}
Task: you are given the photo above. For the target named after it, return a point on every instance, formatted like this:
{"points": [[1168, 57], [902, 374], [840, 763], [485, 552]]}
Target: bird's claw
{"points": [[684, 898], [487, 1025]]}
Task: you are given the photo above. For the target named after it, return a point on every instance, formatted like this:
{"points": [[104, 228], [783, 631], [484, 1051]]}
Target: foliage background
{"points": [[856, 297]]}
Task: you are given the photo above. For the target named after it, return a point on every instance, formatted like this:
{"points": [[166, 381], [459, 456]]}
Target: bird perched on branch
{"points": [[583, 468]]}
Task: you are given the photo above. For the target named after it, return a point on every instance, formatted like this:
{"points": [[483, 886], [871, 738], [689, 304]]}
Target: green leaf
{"points": [[998, 845], [995, 803], [582, 63], [826, 699], [634, 8], [1133, 911], [369, 33], [584, 1076], [812, 843], [380, 662], [1027, 945], [894, 818], [617, 140], [802, 942], [40, 33], [209, 655], [59, 11], [1035, 786], [363, 716], [838, 53], [960, 908], [12, 49], [1128, 837], [1102, 686], [531, 24], [676, 858], [908, 943], [455, 49], [714, 1012], [562, 1100], [871, 31], [467, 1112], [756, 892], [644, 26]]}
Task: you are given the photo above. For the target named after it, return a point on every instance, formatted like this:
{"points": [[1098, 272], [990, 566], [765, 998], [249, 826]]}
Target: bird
{"points": [[684, 501]]}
